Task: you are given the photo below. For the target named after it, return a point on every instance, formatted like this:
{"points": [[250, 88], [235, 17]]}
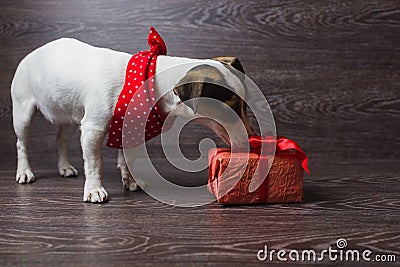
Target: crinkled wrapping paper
{"points": [[284, 183]]}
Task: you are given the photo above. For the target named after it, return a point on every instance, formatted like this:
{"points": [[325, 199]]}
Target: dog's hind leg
{"points": [[24, 107], [65, 131], [128, 182]]}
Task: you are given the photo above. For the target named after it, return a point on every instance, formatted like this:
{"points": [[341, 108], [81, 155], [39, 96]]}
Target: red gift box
{"points": [[244, 183]]}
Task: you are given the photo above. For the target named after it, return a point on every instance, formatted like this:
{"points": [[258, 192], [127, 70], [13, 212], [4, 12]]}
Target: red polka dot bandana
{"points": [[136, 117]]}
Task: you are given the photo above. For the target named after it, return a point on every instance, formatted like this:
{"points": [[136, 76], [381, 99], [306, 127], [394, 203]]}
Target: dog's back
{"points": [[60, 76]]}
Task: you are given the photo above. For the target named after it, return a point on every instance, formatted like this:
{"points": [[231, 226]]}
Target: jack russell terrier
{"points": [[75, 84]]}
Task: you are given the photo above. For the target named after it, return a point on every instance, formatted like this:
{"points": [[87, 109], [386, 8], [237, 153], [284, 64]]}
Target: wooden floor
{"points": [[331, 73]]}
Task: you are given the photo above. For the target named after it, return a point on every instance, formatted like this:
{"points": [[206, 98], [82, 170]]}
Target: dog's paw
{"points": [[129, 183], [25, 176], [96, 195], [67, 170]]}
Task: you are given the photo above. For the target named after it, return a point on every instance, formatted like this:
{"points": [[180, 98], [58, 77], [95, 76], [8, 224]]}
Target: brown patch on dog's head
{"points": [[209, 82]]}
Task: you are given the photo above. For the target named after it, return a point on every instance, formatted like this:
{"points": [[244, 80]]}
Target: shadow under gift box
{"points": [[284, 183]]}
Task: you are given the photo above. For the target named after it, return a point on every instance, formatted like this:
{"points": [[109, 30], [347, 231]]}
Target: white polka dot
{"points": [[135, 108], [131, 121], [119, 109], [116, 121], [130, 70], [138, 95], [130, 91], [138, 116], [126, 104], [144, 112], [122, 117], [123, 96], [152, 80], [129, 113], [119, 129], [152, 89], [117, 140], [129, 83], [113, 132], [141, 104], [155, 36], [147, 100]]}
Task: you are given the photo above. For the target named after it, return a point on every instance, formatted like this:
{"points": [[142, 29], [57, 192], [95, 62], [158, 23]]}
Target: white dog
{"points": [[75, 84]]}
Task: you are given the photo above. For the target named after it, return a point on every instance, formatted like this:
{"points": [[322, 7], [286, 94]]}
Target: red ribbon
{"points": [[282, 144]]}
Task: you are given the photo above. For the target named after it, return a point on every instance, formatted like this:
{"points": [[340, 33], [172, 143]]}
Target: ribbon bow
{"points": [[282, 144]]}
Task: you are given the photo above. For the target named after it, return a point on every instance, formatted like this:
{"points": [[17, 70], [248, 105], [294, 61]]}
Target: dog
{"points": [[75, 84]]}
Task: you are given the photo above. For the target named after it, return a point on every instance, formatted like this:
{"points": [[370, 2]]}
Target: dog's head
{"points": [[213, 81]]}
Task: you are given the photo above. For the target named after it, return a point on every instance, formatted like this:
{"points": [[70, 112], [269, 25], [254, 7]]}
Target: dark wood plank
{"points": [[317, 62], [46, 222]]}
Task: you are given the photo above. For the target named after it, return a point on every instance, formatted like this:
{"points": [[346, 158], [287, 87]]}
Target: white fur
{"points": [[74, 84]]}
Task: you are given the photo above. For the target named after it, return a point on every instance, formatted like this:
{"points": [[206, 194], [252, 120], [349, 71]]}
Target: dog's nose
{"points": [[251, 132]]}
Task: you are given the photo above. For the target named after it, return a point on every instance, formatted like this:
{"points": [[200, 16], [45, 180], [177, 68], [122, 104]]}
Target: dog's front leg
{"points": [[92, 142]]}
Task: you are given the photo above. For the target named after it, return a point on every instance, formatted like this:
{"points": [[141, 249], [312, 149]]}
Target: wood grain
{"points": [[44, 222], [331, 73]]}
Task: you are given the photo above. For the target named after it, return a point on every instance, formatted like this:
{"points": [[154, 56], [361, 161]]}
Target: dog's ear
{"points": [[189, 91], [231, 61]]}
